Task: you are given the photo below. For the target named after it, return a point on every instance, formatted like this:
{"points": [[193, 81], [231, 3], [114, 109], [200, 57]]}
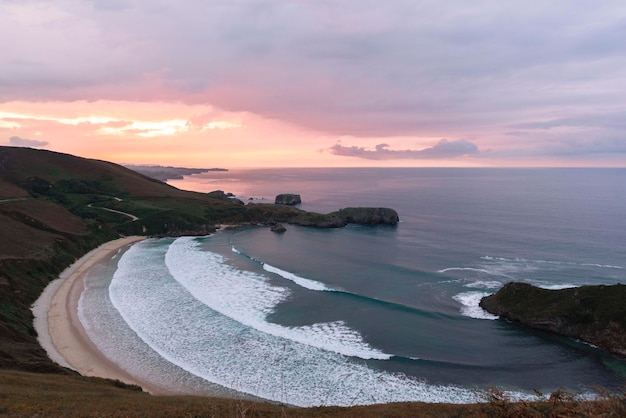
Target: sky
{"points": [[317, 83]]}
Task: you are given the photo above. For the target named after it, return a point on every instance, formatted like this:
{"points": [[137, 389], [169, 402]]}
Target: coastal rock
{"points": [[237, 201], [219, 194], [369, 216], [594, 314], [288, 199], [318, 220], [278, 228], [269, 214]]}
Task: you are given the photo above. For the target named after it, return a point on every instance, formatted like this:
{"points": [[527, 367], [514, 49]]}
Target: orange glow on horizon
{"points": [[173, 133]]}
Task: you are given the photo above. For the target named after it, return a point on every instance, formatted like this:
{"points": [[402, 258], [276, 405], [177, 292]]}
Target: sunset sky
{"points": [[266, 83]]}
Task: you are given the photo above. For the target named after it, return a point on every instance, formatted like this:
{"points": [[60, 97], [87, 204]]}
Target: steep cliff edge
{"points": [[288, 199], [594, 314], [369, 216], [271, 213]]}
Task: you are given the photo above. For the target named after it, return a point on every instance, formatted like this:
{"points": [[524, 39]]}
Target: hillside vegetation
{"points": [[55, 207], [595, 314]]}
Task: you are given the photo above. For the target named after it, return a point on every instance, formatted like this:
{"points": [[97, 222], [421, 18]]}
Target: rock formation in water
{"points": [[219, 194], [288, 199], [268, 214], [369, 216], [278, 228], [594, 314]]}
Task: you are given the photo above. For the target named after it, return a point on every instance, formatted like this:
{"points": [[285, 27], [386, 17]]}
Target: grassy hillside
{"points": [[595, 314], [56, 207], [29, 395]]}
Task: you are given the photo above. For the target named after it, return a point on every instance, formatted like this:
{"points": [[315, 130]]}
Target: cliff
{"points": [[272, 213], [369, 216], [594, 314], [288, 199]]}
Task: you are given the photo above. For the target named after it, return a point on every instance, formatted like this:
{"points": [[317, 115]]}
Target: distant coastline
{"points": [[164, 173]]}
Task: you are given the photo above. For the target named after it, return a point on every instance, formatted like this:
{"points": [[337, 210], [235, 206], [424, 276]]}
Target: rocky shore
{"points": [[593, 314]]}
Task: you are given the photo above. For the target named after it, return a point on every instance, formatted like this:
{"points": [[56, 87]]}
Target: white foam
{"points": [[301, 281], [491, 270], [555, 286], [464, 269], [553, 262], [221, 350], [604, 266], [248, 298], [483, 284], [470, 307]]}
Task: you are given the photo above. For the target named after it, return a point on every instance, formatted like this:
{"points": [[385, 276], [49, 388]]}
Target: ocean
{"points": [[364, 314]]}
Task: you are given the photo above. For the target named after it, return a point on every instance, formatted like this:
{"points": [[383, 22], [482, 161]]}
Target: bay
{"points": [[379, 314]]}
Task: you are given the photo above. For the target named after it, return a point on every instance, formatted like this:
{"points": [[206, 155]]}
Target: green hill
{"points": [[55, 207], [595, 314]]}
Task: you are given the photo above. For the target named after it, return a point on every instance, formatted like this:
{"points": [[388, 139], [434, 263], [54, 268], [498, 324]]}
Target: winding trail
{"points": [[131, 216]]}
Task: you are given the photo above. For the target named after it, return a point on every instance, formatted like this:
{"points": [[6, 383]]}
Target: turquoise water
{"points": [[370, 314]]}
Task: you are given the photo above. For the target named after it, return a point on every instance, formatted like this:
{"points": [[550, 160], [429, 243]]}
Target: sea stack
{"points": [[288, 199], [278, 228]]}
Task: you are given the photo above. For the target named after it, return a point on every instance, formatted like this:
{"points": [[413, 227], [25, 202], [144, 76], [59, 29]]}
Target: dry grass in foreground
{"points": [[37, 395]]}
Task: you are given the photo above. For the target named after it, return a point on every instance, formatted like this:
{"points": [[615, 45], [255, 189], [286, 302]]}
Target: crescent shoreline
{"points": [[65, 340], [60, 331]]}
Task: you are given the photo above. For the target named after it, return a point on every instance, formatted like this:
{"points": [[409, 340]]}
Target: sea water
{"points": [[367, 314]]}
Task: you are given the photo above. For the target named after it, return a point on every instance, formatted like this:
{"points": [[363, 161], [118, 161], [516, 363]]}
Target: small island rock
{"points": [[369, 216], [278, 228], [219, 194], [288, 199]]}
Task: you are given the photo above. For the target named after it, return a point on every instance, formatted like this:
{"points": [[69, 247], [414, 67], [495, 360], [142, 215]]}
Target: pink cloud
{"points": [[361, 69]]}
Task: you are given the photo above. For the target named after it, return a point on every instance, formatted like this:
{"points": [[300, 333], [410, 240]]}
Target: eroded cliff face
{"points": [[288, 199], [369, 216], [594, 314], [272, 213]]}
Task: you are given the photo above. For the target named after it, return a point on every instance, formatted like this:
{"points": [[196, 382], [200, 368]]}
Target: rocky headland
{"points": [[270, 214], [593, 314]]}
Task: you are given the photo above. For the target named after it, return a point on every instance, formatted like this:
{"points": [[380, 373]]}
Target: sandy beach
{"points": [[62, 335], [60, 331]]}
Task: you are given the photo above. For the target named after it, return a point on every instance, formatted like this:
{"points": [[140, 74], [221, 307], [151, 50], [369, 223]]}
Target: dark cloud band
{"points": [[443, 149]]}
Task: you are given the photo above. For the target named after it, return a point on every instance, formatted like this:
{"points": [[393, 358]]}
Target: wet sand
{"points": [[67, 343], [60, 331]]}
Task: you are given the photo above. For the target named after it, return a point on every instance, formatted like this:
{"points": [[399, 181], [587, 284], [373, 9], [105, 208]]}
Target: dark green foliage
{"points": [[369, 216], [81, 186], [75, 204], [596, 314], [582, 305], [36, 187]]}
